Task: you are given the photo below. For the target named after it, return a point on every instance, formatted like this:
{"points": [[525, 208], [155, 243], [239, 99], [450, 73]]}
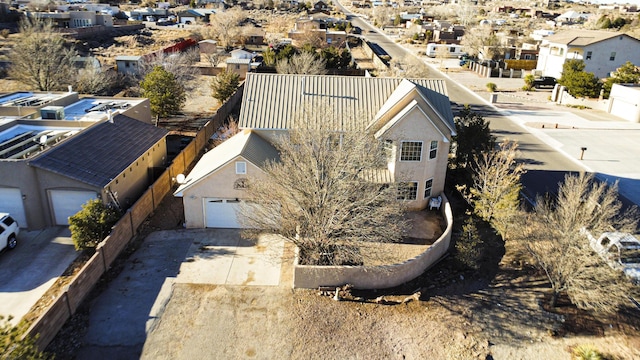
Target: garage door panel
{"points": [[11, 202], [67, 203], [221, 213]]}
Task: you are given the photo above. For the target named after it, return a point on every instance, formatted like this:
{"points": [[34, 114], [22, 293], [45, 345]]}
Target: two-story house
{"points": [[412, 117], [601, 51]]}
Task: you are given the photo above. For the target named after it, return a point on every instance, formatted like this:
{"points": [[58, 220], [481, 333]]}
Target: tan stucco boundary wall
{"points": [[376, 277], [69, 300]]}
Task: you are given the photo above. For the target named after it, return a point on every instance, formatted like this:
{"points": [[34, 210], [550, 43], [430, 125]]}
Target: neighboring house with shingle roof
{"points": [[412, 116], [111, 159], [601, 51]]}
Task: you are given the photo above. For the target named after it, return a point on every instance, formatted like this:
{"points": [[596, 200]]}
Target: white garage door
{"points": [[11, 202], [67, 203], [221, 213]]}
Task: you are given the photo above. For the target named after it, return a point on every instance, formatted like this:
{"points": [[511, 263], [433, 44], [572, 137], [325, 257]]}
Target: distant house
{"points": [[242, 54], [191, 16], [601, 51], [129, 65], [412, 117], [239, 66], [76, 19], [208, 46]]}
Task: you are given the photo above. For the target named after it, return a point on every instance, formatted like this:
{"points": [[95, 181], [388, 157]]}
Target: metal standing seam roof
{"points": [[272, 101], [247, 144], [582, 37], [100, 153]]}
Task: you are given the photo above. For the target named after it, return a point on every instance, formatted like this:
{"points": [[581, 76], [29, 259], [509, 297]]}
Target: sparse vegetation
{"points": [[492, 87], [224, 85], [166, 95], [92, 224], [14, 346]]}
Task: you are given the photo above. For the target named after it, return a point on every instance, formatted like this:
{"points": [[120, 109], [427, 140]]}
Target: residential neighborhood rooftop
{"points": [[581, 37], [101, 152]]}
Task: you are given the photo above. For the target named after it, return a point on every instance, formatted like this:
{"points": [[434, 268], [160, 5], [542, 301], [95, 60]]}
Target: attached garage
{"points": [[221, 213], [11, 202], [67, 203]]}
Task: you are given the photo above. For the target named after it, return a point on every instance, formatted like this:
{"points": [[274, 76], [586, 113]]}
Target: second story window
{"points": [[241, 167], [411, 151], [433, 150], [589, 53], [612, 57]]}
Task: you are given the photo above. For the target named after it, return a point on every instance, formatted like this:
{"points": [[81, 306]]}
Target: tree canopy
{"points": [[166, 95], [14, 346], [321, 195], [92, 224], [628, 73], [42, 59], [473, 137], [224, 85], [578, 82]]}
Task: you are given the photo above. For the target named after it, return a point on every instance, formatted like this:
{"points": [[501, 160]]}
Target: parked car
{"points": [[356, 30], [620, 250], [544, 81], [9, 230]]}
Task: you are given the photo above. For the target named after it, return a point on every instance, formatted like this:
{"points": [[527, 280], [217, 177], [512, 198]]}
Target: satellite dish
{"points": [[43, 140], [180, 179]]}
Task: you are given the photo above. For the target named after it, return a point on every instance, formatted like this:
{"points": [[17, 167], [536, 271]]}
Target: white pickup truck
{"points": [[9, 230], [620, 250]]}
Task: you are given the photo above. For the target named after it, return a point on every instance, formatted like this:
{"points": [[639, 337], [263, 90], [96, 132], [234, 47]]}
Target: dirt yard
{"points": [[494, 313]]}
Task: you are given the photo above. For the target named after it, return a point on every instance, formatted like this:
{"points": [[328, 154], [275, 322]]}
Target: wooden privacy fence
{"points": [[66, 304]]}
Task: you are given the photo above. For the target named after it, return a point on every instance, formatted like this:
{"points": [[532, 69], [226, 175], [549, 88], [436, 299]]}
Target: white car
{"points": [[9, 230], [620, 250]]}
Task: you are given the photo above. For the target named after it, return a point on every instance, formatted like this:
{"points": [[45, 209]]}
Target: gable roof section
{"points": [[247, 144], [100, 153], [402, 113], [270, 101], [583, 37], [402, 93]]}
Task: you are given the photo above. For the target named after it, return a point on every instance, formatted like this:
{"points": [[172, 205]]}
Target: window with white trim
{"points": [[433, 150], [408, 190], [411, 151], [241, 167], [427, 188]]}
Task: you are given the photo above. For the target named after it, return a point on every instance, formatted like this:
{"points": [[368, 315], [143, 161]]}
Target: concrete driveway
{"points": [[131, 306], [30, 269], [227, 259]]}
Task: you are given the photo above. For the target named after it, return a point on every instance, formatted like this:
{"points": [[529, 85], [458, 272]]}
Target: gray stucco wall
{"points": [[376, 277]]}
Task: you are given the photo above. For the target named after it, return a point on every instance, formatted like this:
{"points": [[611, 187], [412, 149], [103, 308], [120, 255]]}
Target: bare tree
{"points": [[442, 53], [96, 81], [320, 195], [178, 64], [466, 11], [408, 67], [41, 59], [303, 63], [496, 186], [552, 235], [225, 26], [482, 40]]}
